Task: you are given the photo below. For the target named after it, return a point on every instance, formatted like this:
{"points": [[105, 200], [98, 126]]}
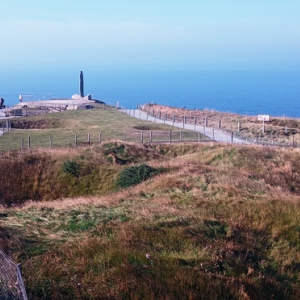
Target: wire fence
{"points": [[215, 133], [11, 282], [77, 140]]}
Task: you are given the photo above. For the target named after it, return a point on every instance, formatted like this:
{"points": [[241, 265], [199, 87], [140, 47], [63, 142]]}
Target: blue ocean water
{"points": [[273, 92]]}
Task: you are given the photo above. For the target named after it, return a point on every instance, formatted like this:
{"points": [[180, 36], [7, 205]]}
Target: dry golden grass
{"points": [[278, 130], [221, 222]]}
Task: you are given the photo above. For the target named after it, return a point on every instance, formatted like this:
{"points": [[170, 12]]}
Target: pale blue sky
{"points": [[87, 34]]}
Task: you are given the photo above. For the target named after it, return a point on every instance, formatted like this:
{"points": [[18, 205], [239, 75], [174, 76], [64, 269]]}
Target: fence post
{"points": [[50, 141], [28, 142], [165, 119], [183, 122], [180, 136], [142, 136], [220, 124], [293, 141], [205, 121], [99, 137], [159, 115], [204, 129], [20, 282], [75, 139], [213, 134], [231, 137], [170, 136]]}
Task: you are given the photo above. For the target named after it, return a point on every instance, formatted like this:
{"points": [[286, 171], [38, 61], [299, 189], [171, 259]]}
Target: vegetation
{"points": [[221, 222], [62, 127], [135, 174], [277, 130]]}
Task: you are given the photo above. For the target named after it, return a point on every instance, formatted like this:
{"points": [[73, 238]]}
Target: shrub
{"points": [[136, 174], [70, 167]]}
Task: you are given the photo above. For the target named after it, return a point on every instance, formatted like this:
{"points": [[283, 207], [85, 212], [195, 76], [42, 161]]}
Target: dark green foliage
{"points": [[136, 174], [70, 167]]}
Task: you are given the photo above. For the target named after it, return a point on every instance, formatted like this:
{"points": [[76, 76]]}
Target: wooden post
{"points": [[180, 136], [170, 136], [183, 122], [75, 139], [231, 137], [150, 136], [28, 142], [205, 121], [293, 141], [99, 137], [50, 141], [142, 136], [219, 124], [165, 119], [159, 115]]}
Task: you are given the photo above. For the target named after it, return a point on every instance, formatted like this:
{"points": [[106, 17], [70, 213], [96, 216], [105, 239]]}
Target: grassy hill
{"points": [[209, 221], [62, 127]]}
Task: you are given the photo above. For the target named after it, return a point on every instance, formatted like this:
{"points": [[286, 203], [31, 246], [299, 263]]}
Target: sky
{"points": [[139, 34]]}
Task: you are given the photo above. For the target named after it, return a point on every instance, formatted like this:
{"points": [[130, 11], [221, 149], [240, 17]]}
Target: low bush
{"points": [[70, 167], [136, 174]]}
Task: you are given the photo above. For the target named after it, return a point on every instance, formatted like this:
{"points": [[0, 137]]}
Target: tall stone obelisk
{"points": [[81, 92]]}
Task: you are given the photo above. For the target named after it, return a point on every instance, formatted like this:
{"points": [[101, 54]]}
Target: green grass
{"points": [[221, 222], [63, 126]]}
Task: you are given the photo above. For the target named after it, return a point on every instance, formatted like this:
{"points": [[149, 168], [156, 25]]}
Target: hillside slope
{"points": [[218, 222]]}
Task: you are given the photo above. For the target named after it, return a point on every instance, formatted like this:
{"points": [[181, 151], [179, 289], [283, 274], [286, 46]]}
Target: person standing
{"points": [[21, 97]]}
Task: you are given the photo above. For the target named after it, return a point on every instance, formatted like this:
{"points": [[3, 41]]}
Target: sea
{"points": [[246, 92]]}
